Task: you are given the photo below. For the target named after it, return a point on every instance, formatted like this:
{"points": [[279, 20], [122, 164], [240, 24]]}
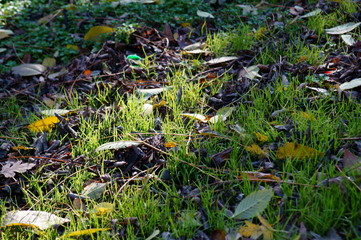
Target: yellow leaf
{"points": [[49, 62], [73, 47], [255, 149], [251, 230], [297, 151], [22, 225], [265, 223], [43, 125], [267, 234], [196, 116], [260, 137], [20, 147], [161, 104], [85, 232], [96, 31], [307, 116], [103, 208], [170, 144]]}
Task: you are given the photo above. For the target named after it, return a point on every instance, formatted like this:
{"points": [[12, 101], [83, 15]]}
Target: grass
{"points": [[173, 196]]}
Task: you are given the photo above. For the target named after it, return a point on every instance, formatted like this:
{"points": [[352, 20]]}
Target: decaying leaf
{"points": [[42, 220], [221, 114], [52, 112], [117, 145], [351, 84], [4, 33], [297, 151], [311, 14], [84, 232], [259, 177], [248, 9], [194, 46], [220, 60], [344, 28], [147, 93], [348, 39], [28, 69], [255, 149], [49, 62], [261, 137], [94, 190], [95, 32], [170, 144], [103, 208], [204, 14], [250, 230], [10, 168], [43, 125], [255, 231], [147, 109], [253, 204], [351, 161], [196, 116], [125, 2], [307, 116]]}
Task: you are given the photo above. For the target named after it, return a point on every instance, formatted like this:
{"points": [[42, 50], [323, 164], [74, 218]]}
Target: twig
{"points": [[337, 167]]}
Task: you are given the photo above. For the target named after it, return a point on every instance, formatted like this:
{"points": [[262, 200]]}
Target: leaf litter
{"points": [[135, 158]]}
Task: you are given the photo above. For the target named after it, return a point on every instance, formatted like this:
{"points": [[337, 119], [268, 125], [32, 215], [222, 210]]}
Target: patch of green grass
{"points": [[226, 43]]}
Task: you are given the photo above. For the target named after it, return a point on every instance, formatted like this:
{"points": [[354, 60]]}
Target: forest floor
{"points": [[217, 120]]}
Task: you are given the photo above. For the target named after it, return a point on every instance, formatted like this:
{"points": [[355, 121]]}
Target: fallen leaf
{"points": [[52, 112], [73, 47], [307, 116], [196, 116], [311, 14], [28, 69], [258, 176], [103, 208], [261, 137], [117, 145], [170, 144], [251, 230], [221, 114], [194, 46], [95, 32], [248, 9], [220, 60], [84, 232], [348, 39], [344, 28], [147, 109], [4, 33], [351, 161], [351, 84], [94, 190], [204, 14], [253, 204], [147, 93], [249, 72], [43, 125], [42, 220], [49, 62], [255, 149], [153, 235], [10, 168], [297, 151]]}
